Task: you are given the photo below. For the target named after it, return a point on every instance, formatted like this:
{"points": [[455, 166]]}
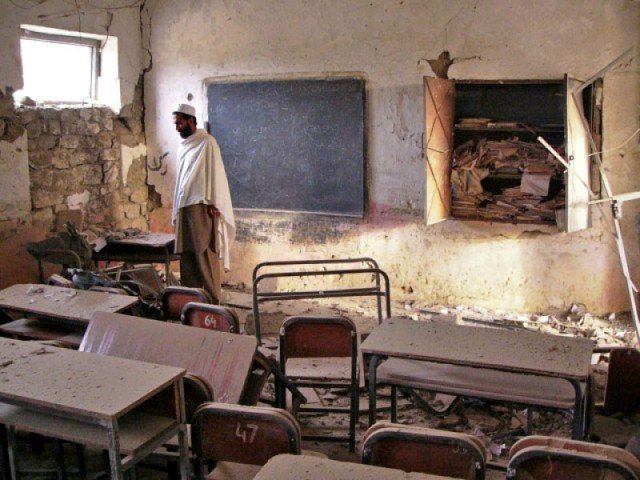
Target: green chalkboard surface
{"points": [[292, 145]]}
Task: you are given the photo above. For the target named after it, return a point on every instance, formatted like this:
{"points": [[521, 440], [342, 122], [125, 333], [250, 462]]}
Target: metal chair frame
{"points": [[172, 312], [248, 429], [567, 457], [371, 266], [402, 437], [322, 350], [76, 261], [216, 317]]}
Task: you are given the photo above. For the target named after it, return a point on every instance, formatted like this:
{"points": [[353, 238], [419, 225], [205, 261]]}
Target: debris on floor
{"points": [[498, 425]]}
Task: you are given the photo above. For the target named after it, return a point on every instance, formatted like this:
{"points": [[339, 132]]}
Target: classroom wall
{"points": [[62, 157], [388, 41]]}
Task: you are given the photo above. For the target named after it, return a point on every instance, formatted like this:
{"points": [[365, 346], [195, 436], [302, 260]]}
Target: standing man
{"points": [[202, 212]]}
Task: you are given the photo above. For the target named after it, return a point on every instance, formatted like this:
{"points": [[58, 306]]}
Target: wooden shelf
{"points": [[474, 128], [478, 218], [136, 429]]}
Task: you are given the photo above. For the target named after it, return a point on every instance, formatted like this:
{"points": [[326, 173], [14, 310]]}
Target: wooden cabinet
{"points": [[485, 160]]}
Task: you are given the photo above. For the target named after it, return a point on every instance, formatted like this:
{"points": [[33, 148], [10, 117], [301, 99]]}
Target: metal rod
{"points": [[631, 288], [578, 89], [554, 152]]}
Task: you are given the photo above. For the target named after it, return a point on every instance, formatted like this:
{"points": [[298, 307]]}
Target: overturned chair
{"points": [[224, 319], [424, 450], [549, 458]]}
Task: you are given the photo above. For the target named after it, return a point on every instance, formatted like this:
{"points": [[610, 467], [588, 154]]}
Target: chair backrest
{"points": [[243, 434], [314, 336], [173, 300], [213, 317], [424, 450], [622, 391], [541, 457]]}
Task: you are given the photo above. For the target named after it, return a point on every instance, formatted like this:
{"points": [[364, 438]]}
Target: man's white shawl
{"points": [[201, 178]]}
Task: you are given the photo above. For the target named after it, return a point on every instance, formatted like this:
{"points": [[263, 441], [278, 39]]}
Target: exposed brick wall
{"points": [[75, 162]]}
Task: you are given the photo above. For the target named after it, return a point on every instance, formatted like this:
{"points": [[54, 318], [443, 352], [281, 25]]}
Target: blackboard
{"points": [[292, 145]]}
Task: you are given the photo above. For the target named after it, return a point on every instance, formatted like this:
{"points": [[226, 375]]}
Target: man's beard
{"points": [[186, 132]]}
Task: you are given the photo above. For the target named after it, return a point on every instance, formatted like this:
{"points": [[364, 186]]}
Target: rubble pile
{"points": [[523, 176]]}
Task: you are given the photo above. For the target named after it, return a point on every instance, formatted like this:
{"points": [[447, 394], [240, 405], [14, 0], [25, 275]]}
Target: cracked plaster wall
{"points": [[527, 268], [56, 158]]}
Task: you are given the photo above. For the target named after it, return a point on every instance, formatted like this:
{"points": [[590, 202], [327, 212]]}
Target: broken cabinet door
{"points": [[439, 97], [577, 177]]}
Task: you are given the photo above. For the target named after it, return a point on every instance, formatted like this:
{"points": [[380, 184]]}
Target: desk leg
{"points": [[373, 365], [115, 462], [579, 411], [167, 270], [178, 390], [12, 451]]}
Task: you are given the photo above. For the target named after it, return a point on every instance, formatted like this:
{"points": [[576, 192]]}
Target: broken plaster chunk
{"points": [[451, 421], [496, 450], [483, 421], [34, 289]]}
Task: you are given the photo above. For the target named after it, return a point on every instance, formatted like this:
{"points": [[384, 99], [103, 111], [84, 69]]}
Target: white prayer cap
{"points": [[185, 109]]}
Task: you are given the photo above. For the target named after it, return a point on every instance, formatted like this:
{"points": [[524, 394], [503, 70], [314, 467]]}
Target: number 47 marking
{"points": [[242, 432]]}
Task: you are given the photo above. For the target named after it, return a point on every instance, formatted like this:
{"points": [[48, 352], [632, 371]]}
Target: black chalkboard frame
{"points": [[346, 180]]}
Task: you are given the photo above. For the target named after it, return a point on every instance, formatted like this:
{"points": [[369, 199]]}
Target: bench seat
{"points": [[484, 383]]}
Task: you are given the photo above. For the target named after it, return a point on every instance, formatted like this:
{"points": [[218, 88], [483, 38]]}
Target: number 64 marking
{"points": [[249, 429]]}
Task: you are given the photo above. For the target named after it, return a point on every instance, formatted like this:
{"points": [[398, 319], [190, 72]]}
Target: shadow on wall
{"points": [[16, 265]]}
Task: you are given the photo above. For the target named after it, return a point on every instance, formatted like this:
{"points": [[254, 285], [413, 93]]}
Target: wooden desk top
{"points": [[222, 359], [71, 382], [304, 467], [511, 350], [149, 239], [62, 303]]}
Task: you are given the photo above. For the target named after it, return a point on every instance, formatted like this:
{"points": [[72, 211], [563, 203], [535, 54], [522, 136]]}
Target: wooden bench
{"points": [[511, 366]]}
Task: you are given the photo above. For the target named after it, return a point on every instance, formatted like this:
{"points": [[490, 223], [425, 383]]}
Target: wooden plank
{"points": [[517, 351], [294, 467], [222, 359], [135, 428], [71, 382], [62, 303], [439, 97]]}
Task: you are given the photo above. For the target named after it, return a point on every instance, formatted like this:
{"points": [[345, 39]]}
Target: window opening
{"points": [[59, 68]]}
